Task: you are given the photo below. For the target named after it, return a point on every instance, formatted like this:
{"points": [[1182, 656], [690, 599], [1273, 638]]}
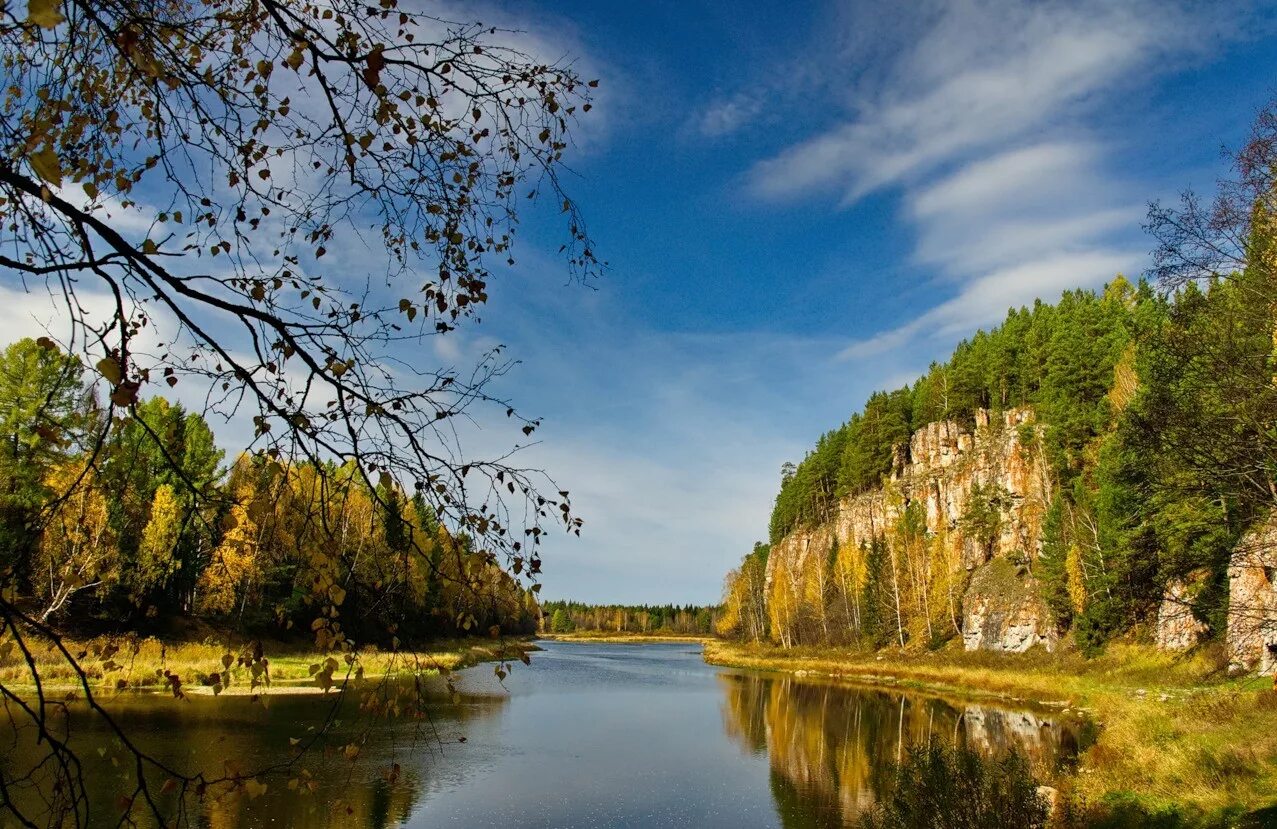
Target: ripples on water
{"points": [[588, 735]]}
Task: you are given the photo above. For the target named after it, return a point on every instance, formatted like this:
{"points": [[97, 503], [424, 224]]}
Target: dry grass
{"points": [[1175, 733], [131, 662]]}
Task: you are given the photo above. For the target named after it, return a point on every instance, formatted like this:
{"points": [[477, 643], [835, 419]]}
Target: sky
{"points": [[802, 203], [799, 208]]}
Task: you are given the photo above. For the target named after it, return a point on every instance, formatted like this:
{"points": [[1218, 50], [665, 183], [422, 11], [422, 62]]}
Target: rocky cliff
{"points": [[976, 578], [1252, 601]]}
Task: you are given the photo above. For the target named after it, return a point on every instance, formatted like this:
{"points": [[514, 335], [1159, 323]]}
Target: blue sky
{"points": [[801, 203], [802, 206]]}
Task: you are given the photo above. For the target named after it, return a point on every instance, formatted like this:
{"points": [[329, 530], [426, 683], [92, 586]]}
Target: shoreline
{"points": [[626, 638], [141, 672], [1175, 739]]}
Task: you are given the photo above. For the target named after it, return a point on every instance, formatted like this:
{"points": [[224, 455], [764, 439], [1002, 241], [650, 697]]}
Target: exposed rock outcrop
{"points": [[987, 571], [943, 465], [1177, 628], [1001, 611], [1252, 601]]}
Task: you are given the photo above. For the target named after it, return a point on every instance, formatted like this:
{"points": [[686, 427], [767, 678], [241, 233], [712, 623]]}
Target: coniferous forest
{"points": [[1153, 406], [574, 617]]}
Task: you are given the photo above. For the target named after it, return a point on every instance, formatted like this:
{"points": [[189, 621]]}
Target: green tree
{"points": [[982, 518], [257, 135], [560, 623], [43, 409]]}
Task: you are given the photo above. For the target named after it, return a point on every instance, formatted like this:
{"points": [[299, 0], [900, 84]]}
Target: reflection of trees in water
{"points": [[397, 757], [829, 745]]}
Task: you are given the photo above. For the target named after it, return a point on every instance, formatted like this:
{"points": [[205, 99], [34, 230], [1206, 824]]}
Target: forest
{"points": [[1153, 407], [685, 620], [150, 529]]}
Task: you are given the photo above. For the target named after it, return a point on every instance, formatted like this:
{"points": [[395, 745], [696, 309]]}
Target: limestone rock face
{"points": [[1002, 611], [1177, 628], [1252, 601], [941, 466]]}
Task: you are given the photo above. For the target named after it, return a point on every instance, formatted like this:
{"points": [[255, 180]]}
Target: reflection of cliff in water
{"points": [[400, 755], [829, 745]]}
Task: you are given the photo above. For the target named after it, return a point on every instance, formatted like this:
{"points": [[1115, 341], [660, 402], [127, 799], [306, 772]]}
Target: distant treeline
{"points": [[146, 526], [568, 617]]}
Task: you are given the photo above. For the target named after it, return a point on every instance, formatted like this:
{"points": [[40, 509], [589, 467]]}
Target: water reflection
{"points": [[372, 767], [588, 735], [828, 744]]}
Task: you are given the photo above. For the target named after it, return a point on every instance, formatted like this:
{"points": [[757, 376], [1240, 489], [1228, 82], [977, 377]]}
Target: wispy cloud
{"points": [[978, 117], [987, 298], [1023, 204], [979, 74], [727, 115], [670, 441]]}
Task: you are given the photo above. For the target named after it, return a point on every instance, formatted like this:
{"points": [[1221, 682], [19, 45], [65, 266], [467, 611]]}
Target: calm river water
{"points": [[590, 735]]}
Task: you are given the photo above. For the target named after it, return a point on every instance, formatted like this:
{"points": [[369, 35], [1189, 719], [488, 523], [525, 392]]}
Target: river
{"points": [[588, 735]]}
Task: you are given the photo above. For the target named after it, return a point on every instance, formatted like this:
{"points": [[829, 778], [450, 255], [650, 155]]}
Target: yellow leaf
{"points": [[110, 369], [45, 13], [47, 166]]}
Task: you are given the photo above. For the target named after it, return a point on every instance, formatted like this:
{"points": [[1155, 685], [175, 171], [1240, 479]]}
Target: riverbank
{"points": [[626, 638], [1177, 741], [132, 663]]}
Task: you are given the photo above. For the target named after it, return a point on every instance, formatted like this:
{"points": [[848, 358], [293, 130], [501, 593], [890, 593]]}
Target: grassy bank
{"points": [[1177, 737], [624, 638], [134, 663]]}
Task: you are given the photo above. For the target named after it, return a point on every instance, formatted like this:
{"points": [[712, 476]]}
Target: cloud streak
{"points": [[982, 73], [978, 119]]}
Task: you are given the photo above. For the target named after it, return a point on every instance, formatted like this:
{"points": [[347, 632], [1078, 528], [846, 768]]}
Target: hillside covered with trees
{"points": [[1153, 406], [149, 527]]}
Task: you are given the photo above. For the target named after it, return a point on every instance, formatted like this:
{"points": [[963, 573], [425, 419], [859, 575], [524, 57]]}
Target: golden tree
{"points": [[155, 560], [77, 550], [183, 174]]}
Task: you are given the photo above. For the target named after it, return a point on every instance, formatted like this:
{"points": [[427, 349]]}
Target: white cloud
{"points": [[989, 184], [726, 116], [1021, 204], [670, 442], [977, 114], [986, 300], [981, 74]]}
